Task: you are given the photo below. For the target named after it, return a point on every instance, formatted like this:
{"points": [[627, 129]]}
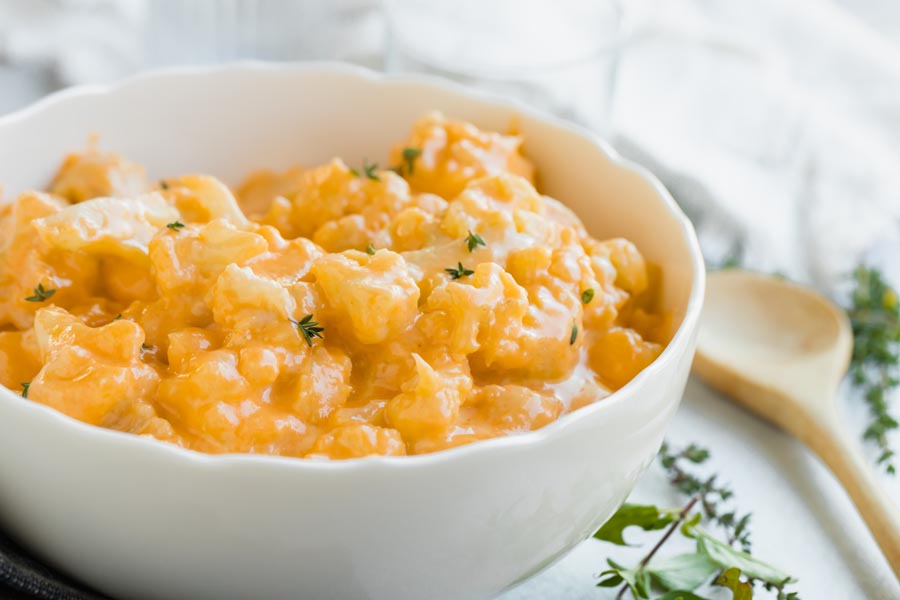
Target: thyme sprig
{"points": [[715, 562], [369, 170], [874, 313], [473, 240], [410, 154], [711, 494], [459, 272], [40, 294], [309, 329]]}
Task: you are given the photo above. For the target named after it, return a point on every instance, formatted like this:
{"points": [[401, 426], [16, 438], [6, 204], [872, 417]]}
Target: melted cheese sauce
{"points": [[176, 310]]}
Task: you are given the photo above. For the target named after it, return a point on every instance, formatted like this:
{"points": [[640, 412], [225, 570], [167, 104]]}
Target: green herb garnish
{"points": [[459, 271], [368, 170], [410, 154], [146, 347], [574, 335], [587, 295], [370, 248], [40, 294], [874, 314], [175, 225], [25, 387], [473, 240], [715, 562], [163, 184], [309, 329]]}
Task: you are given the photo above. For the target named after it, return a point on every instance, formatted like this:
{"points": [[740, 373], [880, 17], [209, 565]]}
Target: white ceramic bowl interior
{"points": [[141, 519]]}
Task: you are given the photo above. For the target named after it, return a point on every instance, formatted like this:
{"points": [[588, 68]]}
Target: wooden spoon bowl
{"points": [[781, 350]]}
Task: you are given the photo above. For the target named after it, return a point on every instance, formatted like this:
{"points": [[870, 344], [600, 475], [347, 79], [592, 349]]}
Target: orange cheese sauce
{"points": [[323, 311]]}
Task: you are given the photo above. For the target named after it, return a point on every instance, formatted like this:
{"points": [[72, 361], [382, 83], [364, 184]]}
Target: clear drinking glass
{"points": [[559, 56]]}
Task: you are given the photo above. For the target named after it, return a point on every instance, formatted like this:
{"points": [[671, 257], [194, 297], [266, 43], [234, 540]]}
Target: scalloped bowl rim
{"points": [[558, 427]]}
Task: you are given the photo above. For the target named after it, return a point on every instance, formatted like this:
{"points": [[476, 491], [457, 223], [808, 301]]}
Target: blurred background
{"points": [[774, 122]]}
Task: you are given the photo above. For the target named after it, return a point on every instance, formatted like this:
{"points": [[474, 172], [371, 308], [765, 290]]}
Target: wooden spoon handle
{"points": [[827, 439]]}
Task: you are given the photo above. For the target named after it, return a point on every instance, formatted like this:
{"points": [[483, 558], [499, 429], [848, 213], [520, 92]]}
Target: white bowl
{"points": [[141, 519]]}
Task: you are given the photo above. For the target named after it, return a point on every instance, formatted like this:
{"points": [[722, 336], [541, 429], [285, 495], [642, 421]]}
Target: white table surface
{"points": [[802, 520]]}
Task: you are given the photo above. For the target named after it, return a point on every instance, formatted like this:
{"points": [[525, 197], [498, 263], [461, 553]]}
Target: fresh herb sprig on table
{"points": [[715, 561], [874, 314]]}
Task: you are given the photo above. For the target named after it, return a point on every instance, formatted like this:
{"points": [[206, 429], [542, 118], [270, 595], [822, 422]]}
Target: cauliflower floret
{"points": [[322, 386], [258, 315], [95, 174], [185, 264], [95, 375], [187, 344], [358, 440], [117, 232], [491, 202], [414, 228], [345, 233], [515, 408], [188, 260], [250, 307], [114, 226], [487, 308], [201, 199], [259, 189], [333, 191], [213, 401], [453, 153], [525, 331], [629, 264], [19, 358], [68, 278], [618, 354], [286, 261], [374, 293], [430, 402]]}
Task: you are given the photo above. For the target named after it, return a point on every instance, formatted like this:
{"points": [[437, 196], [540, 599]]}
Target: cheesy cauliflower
{"points": [[325, 312]]}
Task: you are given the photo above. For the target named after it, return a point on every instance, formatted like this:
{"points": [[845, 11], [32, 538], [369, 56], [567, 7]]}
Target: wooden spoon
{"points": [[781, 350]]}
